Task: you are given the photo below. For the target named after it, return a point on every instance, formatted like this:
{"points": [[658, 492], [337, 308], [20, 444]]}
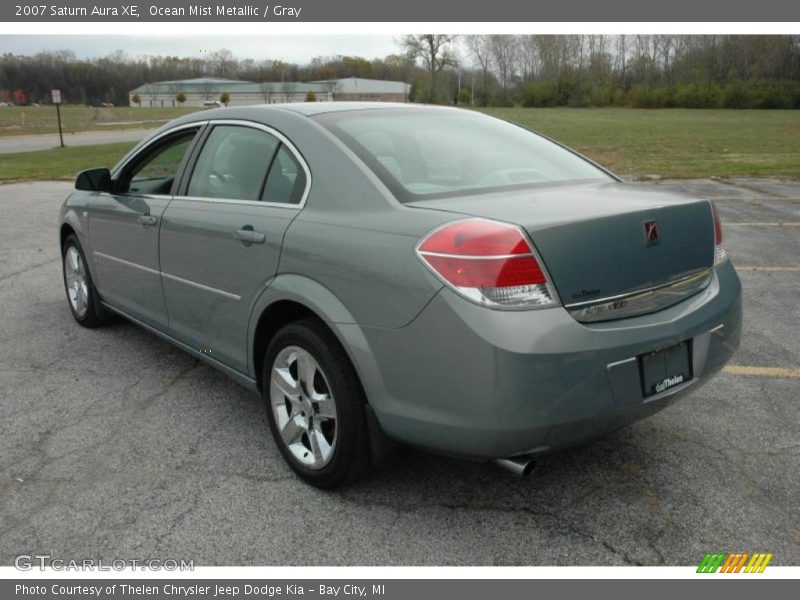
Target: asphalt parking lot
{"points": [[115, 445]]}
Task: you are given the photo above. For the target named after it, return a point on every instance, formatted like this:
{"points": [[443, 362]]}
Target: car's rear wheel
{"points": [[315, 405], [81, 293]]}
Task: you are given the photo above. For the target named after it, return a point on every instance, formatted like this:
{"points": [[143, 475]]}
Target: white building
{"points": [[206, 90]]}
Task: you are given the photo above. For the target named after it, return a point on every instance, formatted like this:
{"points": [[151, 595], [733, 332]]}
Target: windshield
{"points": [[431, 153]]}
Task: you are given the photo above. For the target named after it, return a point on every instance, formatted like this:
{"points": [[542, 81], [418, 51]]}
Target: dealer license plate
{"points": [[665, 368]]}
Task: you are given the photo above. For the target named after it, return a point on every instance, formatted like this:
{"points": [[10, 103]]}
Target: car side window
{"points": [[156, 171], [286, 181], [233, 163]]}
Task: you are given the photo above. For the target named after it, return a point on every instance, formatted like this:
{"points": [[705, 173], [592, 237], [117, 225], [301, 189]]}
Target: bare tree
{"points": [[504, 54], [479, 47], [222, 63], [527, 57], [620, 64], [667, 50], [435, 52]]}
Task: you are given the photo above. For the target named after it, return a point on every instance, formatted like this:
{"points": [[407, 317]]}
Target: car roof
{"points": [[308, 109], [317, 108], [269, 113]]}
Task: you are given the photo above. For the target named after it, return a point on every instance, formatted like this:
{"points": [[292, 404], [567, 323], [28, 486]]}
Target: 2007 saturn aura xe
{"points": [[386, 273]]}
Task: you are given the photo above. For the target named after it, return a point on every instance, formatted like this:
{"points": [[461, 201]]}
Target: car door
{"points": [[123, 226], [221, 235]]}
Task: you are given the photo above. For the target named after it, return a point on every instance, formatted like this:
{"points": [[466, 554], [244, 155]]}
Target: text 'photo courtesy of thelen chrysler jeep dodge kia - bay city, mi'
{"points": [[391, 274]]}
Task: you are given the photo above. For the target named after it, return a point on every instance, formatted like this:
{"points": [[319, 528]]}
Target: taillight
{"points": [[719, 252], [488, 262]]}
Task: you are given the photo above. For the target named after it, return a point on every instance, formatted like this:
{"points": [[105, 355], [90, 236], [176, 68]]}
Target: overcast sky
{"points": [[290, 48]]}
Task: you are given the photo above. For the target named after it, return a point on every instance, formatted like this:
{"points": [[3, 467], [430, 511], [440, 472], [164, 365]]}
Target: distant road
{"points": [[29, 143]]}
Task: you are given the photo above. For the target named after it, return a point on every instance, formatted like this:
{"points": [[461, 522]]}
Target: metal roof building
{"points": [[356, 86], [208, 90]]}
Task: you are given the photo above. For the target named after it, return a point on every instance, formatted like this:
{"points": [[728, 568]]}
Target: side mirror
{"points": [[94, 180]]}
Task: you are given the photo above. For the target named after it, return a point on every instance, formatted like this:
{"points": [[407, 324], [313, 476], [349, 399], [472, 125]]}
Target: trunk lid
{"points": [[593, 238]]}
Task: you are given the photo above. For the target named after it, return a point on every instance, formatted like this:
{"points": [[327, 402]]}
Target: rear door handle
{"points": [[147, 220], [249, 236]]}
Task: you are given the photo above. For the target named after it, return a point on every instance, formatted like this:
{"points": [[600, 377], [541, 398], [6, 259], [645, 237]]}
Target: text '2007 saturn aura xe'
{"points": [[386, 274]]}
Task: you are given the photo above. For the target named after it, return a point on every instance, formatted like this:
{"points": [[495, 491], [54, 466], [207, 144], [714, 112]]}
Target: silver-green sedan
{"points": [[386, 274]]}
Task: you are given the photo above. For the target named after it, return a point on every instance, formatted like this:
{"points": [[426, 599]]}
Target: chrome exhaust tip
{"points": [[521, 466]]}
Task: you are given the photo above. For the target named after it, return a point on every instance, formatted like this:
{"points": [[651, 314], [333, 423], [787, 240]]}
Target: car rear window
{"points": [[429, 153]]}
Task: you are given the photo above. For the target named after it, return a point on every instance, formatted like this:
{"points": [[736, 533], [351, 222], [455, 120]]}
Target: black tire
{"points": [[95, 315], [351, 456]]}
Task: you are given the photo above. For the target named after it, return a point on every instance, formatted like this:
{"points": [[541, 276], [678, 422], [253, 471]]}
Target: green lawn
{"points": [[59, 163], [674, 142], [666, 142], [23, 120]]}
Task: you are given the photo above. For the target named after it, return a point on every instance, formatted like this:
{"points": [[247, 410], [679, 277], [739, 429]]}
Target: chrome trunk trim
{"points": [[640, 302]]}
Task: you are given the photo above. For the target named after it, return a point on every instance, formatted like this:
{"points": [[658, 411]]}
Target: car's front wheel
{"points": [[315, 405], [81, 294]]}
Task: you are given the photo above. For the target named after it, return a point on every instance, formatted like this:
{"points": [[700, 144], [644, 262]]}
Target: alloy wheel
{"points": [[75, 279], [304, 407]]}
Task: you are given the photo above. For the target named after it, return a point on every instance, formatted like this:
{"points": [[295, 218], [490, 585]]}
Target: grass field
{"points": [[59, 163], [24, 120], [676, 143]]}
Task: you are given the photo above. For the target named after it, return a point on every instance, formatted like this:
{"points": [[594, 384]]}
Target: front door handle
{"points": [[248, 236], [147, 220]]}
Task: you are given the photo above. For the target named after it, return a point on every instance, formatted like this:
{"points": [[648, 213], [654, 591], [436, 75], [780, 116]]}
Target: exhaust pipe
{"points": [[521, 466]]}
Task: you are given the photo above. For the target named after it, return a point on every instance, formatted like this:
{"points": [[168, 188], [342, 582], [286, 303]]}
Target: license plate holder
{"points": [[666, 368]]}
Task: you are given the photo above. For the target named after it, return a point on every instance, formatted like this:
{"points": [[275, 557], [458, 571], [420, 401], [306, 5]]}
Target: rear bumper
{"points": [[465, 380]]}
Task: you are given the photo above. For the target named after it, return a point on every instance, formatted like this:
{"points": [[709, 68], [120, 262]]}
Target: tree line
{"points": [[650, 71], [108, 80]]}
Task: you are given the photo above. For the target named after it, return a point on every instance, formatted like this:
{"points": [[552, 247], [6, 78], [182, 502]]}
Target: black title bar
{"points": [[388, 589], [402, 11]]}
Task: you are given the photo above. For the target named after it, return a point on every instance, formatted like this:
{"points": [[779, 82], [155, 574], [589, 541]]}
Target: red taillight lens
{"points": [[492, 272], [488, 262], [719, 252], [717, 226], [476, 238]]}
